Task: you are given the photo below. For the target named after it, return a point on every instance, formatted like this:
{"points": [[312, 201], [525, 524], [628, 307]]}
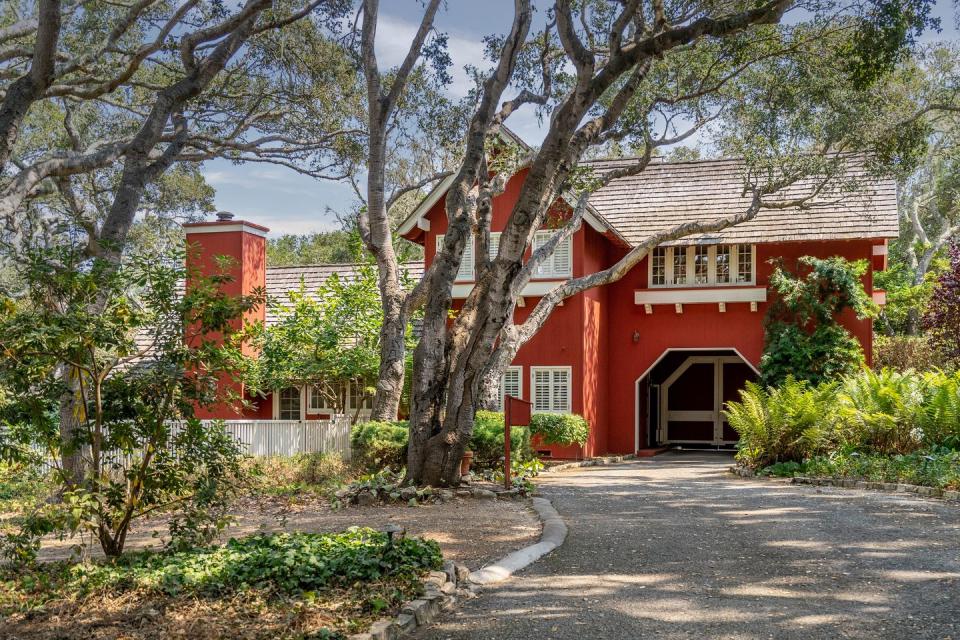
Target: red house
{"points": [[648, 360]]}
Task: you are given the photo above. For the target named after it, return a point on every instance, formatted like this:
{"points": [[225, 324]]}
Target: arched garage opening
{"points": [[680, 398]]}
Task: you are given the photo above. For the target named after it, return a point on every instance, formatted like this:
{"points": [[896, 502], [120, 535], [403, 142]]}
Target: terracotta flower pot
{"points": [[465, 462]]}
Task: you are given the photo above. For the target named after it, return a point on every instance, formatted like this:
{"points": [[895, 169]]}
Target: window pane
{"points": [[679, 265], [509, 385], [561, 392], [659, 266], [744, 263], [494, 245], [701, 264], [290, 404], [723, 264]]}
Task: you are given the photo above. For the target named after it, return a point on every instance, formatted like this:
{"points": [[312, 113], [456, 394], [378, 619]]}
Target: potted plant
{"points": [[465, 462]]}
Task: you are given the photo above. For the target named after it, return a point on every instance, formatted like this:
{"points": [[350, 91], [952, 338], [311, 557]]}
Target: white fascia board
{"points": [[880, 249], [421, 211], [698, 296], [534, 289]]}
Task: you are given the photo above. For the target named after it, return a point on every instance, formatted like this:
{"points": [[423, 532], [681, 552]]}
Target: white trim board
{"points": [[672, 349], [697, 296], [215, 227], [533, 289]]}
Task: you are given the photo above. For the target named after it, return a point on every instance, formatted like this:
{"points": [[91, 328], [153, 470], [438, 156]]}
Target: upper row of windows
{"points": [[558, 265], [697, 265]]}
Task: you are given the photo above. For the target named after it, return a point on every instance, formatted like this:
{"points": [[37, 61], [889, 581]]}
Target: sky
{"points": [[288, 202]]}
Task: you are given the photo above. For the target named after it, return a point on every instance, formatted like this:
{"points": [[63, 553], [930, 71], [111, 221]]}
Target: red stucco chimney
{"points": [[246, 243]]}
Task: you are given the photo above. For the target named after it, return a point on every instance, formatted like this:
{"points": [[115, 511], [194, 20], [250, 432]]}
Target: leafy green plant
{"points": [[380, 444], [560, 428]]}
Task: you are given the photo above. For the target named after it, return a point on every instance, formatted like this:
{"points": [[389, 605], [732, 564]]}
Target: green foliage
{"points": [[281, 565], [131, 459], [488, 439], [780, 423], [322, 247], [883, 413], [560, 428], [934, 467], [377, 445], [803, 337], [325, 338]]}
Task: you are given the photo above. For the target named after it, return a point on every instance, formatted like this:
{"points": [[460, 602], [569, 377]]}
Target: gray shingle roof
{"points": [[668, 193], [281, 280]]}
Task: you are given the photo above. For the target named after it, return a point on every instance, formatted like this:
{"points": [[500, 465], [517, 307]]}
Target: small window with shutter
{"points": [[551, 389], [510, 385], [466, 263], [560, 263]]}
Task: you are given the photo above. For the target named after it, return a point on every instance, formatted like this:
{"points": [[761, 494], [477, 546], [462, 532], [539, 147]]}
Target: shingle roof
{"points": [[281, 280], [667, 193]]}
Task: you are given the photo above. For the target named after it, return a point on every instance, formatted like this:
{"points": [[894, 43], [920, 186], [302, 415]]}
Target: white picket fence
{"points": [[289, 437], [266, 438]]}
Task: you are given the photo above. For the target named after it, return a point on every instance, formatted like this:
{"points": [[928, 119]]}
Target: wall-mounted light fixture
{"points": [[636, 336]]}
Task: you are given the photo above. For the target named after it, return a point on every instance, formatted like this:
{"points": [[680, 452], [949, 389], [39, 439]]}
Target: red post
{"points": [[506, 441]]}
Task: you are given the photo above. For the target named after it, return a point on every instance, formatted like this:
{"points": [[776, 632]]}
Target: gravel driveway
{"points": [[675, 547]]}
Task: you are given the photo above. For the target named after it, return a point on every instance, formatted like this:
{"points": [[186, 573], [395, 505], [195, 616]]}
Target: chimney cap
{"points": [[224, 216]]}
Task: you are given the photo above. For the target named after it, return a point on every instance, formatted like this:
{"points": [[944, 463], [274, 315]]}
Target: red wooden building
{"points": [[650, 359]]}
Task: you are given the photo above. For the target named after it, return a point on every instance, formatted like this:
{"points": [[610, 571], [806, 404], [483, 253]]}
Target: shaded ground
{"points": [[472, 532], [675, 547]]}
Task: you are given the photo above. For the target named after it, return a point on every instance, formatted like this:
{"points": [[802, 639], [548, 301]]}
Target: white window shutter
{"points": [[541, 390], [494, 245], [562, 263], [466, 263]]}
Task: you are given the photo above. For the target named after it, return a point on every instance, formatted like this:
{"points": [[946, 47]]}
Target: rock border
{"points": [[442, 588], [589, 462], [851, 483]]}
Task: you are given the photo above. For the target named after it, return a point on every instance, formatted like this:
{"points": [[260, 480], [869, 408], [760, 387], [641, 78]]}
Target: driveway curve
{"points": [[676, 547]]}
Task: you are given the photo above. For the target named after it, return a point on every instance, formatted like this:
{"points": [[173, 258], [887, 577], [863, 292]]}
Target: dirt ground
{"points": [[470, 531]]}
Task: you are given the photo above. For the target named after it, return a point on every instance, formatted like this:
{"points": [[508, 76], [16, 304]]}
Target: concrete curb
{"points": [[592, 462], [553, 535]]}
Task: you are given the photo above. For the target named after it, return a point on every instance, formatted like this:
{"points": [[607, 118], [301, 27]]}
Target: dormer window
{"points": [[703, 265]]}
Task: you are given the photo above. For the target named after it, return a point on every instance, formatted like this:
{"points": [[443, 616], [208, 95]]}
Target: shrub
{"points": [[380, 444], [884, 413], [487, 441], [779, 424], [942, 318], [802, 337], [901, 353], [560, 428]]}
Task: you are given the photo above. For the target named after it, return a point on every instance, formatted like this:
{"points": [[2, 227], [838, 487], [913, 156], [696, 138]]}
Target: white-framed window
{"points": [[466, 263], [703, 265], [349, 396], [560, 263], [658, 267], [288, 407], [550, 387], [511, 384]]}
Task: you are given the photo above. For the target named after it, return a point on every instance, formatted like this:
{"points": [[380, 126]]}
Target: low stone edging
{"points": [[850, 483], [442, 588], [590, 462]]}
